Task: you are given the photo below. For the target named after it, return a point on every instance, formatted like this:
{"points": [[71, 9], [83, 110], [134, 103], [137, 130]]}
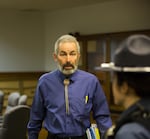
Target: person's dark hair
{"points": [[140, 82]]}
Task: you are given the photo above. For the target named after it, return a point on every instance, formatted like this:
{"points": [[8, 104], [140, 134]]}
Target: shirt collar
{"points": [[62, 76]]}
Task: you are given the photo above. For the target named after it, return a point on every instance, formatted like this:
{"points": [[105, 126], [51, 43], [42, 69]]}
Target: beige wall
{"points": [[111, 16], [21, 41], [27, 38]]}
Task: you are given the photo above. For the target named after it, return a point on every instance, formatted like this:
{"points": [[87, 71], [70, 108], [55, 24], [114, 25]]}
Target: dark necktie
{"points": [[66, 83]]}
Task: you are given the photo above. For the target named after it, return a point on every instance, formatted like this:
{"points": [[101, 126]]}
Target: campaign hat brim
{"points": [[111, 67]]}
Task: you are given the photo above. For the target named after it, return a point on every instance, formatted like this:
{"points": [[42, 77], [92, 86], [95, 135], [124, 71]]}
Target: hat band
{"points": [[111, 66], [132, 69]]}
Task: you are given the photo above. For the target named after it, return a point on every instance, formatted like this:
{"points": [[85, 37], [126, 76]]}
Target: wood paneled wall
{"points": [[22, 82]]}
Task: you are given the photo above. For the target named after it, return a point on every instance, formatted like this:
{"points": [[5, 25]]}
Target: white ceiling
{"points": [[45, 5]]}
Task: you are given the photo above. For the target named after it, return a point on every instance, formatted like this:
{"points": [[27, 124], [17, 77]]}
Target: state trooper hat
{"points": [[133, 55]]}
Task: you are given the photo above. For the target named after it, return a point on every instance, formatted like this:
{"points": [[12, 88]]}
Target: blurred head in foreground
{"points": [[131, 70]]}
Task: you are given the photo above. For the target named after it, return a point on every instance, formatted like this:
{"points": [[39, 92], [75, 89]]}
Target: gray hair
{"points": [[66, 38]]}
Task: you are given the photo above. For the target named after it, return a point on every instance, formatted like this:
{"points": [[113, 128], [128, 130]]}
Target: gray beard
{"points": [[67, 72]]}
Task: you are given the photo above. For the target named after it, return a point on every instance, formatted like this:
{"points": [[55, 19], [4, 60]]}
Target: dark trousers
{"points": [[53, 136]]}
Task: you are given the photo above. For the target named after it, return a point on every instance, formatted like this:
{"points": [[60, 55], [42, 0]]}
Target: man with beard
{"points": [[67, 115]]}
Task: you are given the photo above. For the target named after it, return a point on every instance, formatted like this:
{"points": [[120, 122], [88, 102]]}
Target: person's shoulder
{"points": [[47, 75], [132, 131], [86, 74]]}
